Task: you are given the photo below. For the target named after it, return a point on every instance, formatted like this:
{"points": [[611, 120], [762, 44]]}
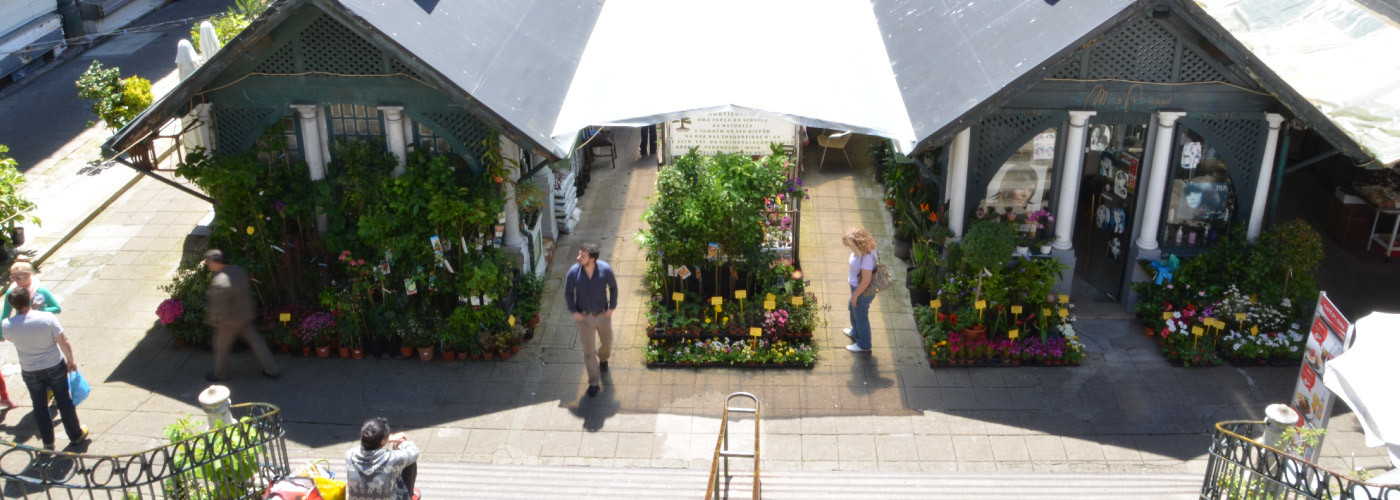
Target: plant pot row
{"points": [[989, 362], [690, 364], [730, 335], [422, 353]]}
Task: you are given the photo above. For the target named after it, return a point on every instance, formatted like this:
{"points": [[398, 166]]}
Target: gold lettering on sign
{"points": [[1100, 97]]}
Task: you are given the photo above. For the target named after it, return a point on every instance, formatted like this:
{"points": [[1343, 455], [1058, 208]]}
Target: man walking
{"points": [[231, 314], [45, 358], [590, 291]]}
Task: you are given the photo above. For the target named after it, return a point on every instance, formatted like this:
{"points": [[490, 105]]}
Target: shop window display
{"points": [[1202, 196], [1022, 185]]}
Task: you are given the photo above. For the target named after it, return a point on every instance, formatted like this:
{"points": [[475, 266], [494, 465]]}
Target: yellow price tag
{"points": [[1254, 330], [935, 303], [511, 320], [677, 297], [769, 305], [797, 301], [1064, 299], [755, 332], [1013, 334], [1167, 315], [1253, 298], [1197, 331], [980, 305], [716, 300], [1045, 312], [1239, 317], [770, 297], [284, 317], [1217, 323], [1015, 309], [741, 294], [1064, 313]]}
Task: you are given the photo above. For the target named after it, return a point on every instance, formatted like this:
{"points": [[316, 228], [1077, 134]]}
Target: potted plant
{"points": [[14, 207], [318, 329]]}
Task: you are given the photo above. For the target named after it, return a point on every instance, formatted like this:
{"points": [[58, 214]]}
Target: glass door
{"points": [[1109, 190]]}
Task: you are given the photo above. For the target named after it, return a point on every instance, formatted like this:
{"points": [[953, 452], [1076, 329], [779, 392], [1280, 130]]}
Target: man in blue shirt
{"points": [[590, 291]]}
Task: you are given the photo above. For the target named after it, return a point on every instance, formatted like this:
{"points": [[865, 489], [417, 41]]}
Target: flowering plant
{"points": [[318, 329], [169, 310], [775, 321]]}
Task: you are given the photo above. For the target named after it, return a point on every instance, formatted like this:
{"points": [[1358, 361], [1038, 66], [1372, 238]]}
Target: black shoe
{"points": [[603, 365], [215, 378], [273, 376], [593, 390]]}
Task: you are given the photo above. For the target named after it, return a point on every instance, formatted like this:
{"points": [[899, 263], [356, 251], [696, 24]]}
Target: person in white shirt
{"points": [[45, 358]]}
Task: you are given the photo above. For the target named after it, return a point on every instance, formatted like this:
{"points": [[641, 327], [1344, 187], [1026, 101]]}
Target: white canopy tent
{"points": [[1365, 377]]}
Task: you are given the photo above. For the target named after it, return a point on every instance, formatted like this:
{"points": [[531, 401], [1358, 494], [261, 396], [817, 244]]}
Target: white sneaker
{"points": [[856, 348], [849, 333]]}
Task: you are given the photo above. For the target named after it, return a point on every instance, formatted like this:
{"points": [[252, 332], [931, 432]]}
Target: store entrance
{"points": [[1108, 200]]}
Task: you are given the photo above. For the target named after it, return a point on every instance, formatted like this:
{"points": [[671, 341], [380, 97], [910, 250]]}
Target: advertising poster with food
{"points": [[1328, 336]]}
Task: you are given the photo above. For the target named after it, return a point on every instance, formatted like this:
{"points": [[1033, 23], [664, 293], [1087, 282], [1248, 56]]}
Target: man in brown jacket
{"points": [[231, 314]]}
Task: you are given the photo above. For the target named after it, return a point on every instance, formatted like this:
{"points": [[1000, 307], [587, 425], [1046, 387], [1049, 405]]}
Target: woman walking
{"points": [[22, 276], [862, 267]]}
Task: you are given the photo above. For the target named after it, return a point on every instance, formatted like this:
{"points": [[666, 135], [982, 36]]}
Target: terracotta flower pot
{"points": [[179, 342], [975, 332], [406, 352], [1150, 333], [284, 348], [514, 348], [476, 356], [306, 350], [323, 351], [357, 353], [505, 354], [487, 355], [449, 355], [425, 353], [343, 351]]}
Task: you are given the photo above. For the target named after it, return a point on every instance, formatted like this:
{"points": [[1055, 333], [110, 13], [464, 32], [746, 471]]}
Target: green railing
{"points": [[1241, 468], [235, 461]]}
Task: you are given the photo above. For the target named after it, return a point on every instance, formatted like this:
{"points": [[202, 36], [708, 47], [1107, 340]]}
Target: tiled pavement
{"points": [[1124, 410]]}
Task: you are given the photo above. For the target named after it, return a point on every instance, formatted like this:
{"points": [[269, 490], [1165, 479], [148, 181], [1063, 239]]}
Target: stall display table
{"points": [[1387, 242]]}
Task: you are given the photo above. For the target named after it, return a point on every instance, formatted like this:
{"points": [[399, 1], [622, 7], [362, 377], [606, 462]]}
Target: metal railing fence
{"points": [[1241, 468]]}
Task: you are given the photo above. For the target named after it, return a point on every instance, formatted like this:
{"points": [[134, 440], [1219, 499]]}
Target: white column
{"points": [[393, 130], [312, 147], [206, 129], [1266, 173], [1157, 182], [545, 180], [508, 152], [957, 181], [1069, 179]]}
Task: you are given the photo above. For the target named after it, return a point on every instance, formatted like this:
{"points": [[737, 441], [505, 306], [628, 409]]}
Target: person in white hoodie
{"points": [[383, 466]]}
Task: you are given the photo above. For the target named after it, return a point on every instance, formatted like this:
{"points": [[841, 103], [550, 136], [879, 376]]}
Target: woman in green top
{"points": [[22, 275]]}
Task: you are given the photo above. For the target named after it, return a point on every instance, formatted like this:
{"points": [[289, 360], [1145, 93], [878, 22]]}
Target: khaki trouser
{"points": [[224, 336], [594, 353]]}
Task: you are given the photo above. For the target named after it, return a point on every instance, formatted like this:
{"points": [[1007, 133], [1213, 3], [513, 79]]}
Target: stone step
{"points": [[466, 480]]}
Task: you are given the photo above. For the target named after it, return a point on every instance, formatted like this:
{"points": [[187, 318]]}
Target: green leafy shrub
{"points": [[231, 22], [14, 207], [114, 100]]}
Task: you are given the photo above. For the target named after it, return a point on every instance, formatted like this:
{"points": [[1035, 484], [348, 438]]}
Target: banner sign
{"points": [[728, 132], [1328, 336]]}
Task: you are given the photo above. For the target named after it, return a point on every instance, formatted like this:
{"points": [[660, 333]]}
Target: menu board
{"points": [[1330, 335], [728, 132]]}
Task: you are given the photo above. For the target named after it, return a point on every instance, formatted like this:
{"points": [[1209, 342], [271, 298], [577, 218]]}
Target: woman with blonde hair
{"points": [[22, 276], [862, 267]]}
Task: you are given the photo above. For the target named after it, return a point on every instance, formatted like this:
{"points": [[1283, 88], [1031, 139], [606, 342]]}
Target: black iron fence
{"points": [[1241, 468], [235, 461]]}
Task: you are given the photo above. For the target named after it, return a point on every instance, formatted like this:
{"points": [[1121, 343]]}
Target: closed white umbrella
{"points": [[1365, 378], [186, 59], [209, 42]]}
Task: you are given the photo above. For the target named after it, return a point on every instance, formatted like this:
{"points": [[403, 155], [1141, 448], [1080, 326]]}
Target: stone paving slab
{"points": [[1124, 410]]}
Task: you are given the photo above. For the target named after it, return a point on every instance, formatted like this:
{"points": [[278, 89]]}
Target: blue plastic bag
{"points": [[78, 387]]}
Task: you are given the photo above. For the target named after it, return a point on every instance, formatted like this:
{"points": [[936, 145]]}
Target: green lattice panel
{"points": [[1138, 50], [236, 129], [329, 46], [997, 136], [462, 129]]}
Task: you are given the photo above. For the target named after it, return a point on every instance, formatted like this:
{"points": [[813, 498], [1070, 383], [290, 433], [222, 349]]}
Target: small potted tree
{"points": [[14, 207]]}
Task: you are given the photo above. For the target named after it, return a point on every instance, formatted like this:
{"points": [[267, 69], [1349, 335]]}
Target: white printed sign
{"points": [[728, 132]]}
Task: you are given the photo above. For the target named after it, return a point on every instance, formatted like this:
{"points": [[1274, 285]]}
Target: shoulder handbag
{"points": [[879, 278]]}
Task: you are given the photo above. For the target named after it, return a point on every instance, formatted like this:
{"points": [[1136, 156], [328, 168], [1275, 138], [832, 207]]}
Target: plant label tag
{"points": [[716, 300], [1013, 333], [476, 301], [769, 305], [935, 303], [1064, 313], [712, 251], [671, 271], [486, 301], [797, 301], [1239, 317], [741, 294], [409, 286], [677, 297], [1167, 315], [980, 305], [683, 271], [389, 256], [436, 242], [769, 298], [500, 230], [755, 332], [449, 266], [1045, 312], [1197, 331], [511, 320], [1064, 299], [284, 317], [1015, 309], [1254, 330]]}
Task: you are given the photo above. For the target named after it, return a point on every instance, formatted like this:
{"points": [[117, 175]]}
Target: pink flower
{"points": [[169, 310]]}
